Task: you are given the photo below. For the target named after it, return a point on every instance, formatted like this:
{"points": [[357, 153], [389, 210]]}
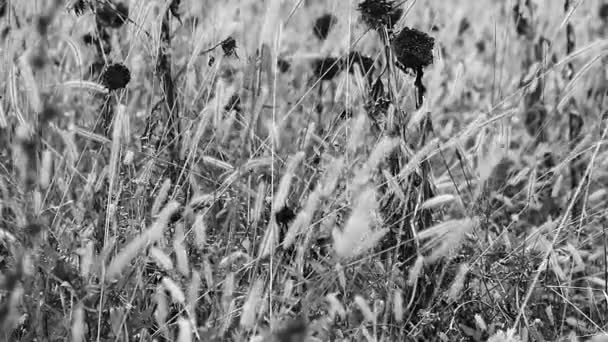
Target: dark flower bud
{"points": [[115, 76], [323, 25], [380, 13], [413, 49], [229, 46], [283, 65], [326, 68], [108, 16]]}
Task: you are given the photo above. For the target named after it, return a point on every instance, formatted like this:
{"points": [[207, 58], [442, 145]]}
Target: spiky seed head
{"points": [[413, 49], [229, 46], [112, 16], [380, 13], [323, 25], [327, 68], [116, 76]]}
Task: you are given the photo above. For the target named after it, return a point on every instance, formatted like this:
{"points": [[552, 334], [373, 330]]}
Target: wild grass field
{"points": [[303, 170]]}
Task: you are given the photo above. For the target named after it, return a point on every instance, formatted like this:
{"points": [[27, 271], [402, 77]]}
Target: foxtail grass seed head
{"points": [[250, 308], [323, 25], [174, 290], [110, 15], [458, 284], [413, 49], [379, 14], [115, 76]]}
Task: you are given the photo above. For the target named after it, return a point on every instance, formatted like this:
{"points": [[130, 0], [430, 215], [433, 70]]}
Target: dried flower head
{"points": [[174, 8], [365, 63], [327, 68], [229, 46], [283, 65], [535, 119], [413, 49], [323, 25], [115, 76], [234, 103], [49, 112], [79, 6], [464, 25], [603, 11], [42, 24], [284, 216], [294, 330], [88, 39], [113, 16], [378, 14]]}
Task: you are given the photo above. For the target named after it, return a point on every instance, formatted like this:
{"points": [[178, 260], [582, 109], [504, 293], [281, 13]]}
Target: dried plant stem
{"points": [[573, 130], [163, 66]]}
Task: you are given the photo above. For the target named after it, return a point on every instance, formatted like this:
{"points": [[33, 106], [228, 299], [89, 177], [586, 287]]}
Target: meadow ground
{"points": [[303, 170]]}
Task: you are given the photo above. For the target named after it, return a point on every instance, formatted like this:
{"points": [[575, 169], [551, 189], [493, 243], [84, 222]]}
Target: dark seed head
{"points": [[174, 8], [112, 16], [234, 103], [293, 331], [283, 65], [115, 76], [42, 24], [481, 46], [211, 61], [38, 58], [535, 119], [463, 26], [327, 68], [365, 63], [229, 46], [603, 11], [380, 13], [33, 229], [79, 6], [284, 216], [88, 39], [48, 113], [323, 25], [2, 8], [413, 49]]}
